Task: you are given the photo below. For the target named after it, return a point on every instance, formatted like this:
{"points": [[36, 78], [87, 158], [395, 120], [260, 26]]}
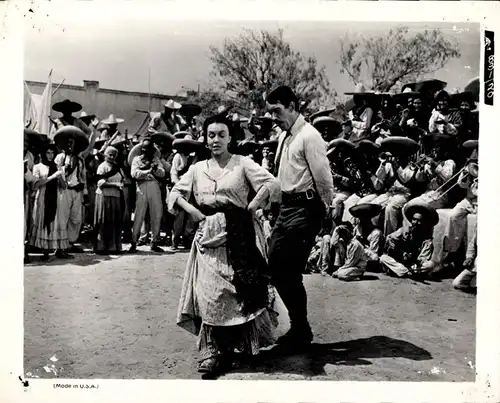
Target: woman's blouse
{"points": [[233, 185], [111, 191]]}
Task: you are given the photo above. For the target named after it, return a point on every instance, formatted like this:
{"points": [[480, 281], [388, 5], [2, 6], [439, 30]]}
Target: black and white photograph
{"points": [[249, 200]]}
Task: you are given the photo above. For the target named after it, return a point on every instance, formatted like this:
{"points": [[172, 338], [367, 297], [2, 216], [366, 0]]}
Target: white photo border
{"points": [[16, 16]]}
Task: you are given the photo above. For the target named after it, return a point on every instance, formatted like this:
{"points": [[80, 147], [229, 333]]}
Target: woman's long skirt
{"points": [[108, 223], [56, 237], [209, 307]]}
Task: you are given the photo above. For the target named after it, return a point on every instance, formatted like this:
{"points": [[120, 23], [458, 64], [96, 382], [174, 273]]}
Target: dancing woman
{"points": [[226, 298]]}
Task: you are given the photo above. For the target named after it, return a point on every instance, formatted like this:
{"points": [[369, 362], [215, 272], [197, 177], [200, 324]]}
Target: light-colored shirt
{"points": [[303, 164], [79, 174], [373, 243], [179, 163], [140, 172], [103, 169], [31, 160], [436, 115], [361, 128], [158, 124]]}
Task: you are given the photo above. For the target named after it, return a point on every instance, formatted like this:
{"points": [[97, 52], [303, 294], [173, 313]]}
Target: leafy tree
{"points": [[255, 62], [383, 62]]}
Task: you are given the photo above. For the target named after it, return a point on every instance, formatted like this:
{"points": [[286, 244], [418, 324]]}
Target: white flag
{"points": [[44, 108]]}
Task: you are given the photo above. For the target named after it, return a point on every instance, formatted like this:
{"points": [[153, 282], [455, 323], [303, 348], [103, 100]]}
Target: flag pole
{"points": [[62, 82], [149, 89]]}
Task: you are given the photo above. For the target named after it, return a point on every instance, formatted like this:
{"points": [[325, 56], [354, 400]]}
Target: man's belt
{"points": [[78, 188], [308, 195]]}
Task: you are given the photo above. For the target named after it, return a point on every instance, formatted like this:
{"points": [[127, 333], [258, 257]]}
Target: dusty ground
{"points": [[114, 317]]}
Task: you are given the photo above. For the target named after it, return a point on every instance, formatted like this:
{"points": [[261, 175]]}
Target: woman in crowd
{"points": [[49, 229], [225, 298], [109, 205]]}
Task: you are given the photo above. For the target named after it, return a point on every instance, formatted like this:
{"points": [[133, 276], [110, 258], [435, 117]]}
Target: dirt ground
{"points": [[114, 318]]}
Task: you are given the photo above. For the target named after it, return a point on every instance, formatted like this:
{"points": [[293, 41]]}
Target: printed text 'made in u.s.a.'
{"points": [[75, 386]]}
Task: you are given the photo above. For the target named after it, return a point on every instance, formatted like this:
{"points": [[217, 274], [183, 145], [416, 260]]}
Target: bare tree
{"points": [[383, 62], [254, 63]]}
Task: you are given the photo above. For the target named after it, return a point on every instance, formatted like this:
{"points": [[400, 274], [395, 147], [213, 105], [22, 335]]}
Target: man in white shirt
{"points": [[307, 190]]}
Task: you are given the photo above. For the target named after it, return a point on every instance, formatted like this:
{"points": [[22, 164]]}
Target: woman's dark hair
{"points": [[222, 119], [43, 154]]}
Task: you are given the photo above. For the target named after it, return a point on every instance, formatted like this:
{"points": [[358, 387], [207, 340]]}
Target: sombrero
{"points": [[136, 150], [163, 138], [473, 88], [190, 110], [426, 86], [405, 95], [62, 136], [368, 146], [171, 104], [327, 122], [112, 120], [341, 143], [464, 96], [67, 105], [471, 144], [423, 208], [365, 210], [442, 95], [361, 90], [116, 143], [267, 117], [86, 118], [31, 134], [323, 112], [187, 144], [181, 134], [396, 144]]}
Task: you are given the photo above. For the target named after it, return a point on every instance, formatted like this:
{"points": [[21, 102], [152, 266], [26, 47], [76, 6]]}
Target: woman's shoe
{"points": [[45, 257], [210, 366]]}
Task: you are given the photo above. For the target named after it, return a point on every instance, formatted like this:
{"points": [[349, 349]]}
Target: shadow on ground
{"points": [[353, 352]]}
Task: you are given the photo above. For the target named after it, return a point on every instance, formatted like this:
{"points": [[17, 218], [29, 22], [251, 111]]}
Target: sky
{"points": [[120, 53]]}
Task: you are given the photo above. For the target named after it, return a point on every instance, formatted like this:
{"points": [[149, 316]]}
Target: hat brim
{"points": [[324, 112], [65, 133], [112, 122], [271, 144], [341, 143], [422, 208], [162, 138], [368, 146], [187, 144], [190, 110], [136, 150], [365, 210], [471, 144], [87, 119], [181, 134], [397, 144], [67, 106], [175, 106]]}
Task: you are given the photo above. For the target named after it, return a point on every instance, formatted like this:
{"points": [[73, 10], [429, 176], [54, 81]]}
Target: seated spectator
{"points": [[349, 253], [370, 236], [409, 251]]}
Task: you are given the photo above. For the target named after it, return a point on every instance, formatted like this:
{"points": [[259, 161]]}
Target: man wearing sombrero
{"points": [[408, 251], [167, 121], [444, 116], [111, 133], [147, 169], [76, 148], [67, 108], [307, 190]]}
